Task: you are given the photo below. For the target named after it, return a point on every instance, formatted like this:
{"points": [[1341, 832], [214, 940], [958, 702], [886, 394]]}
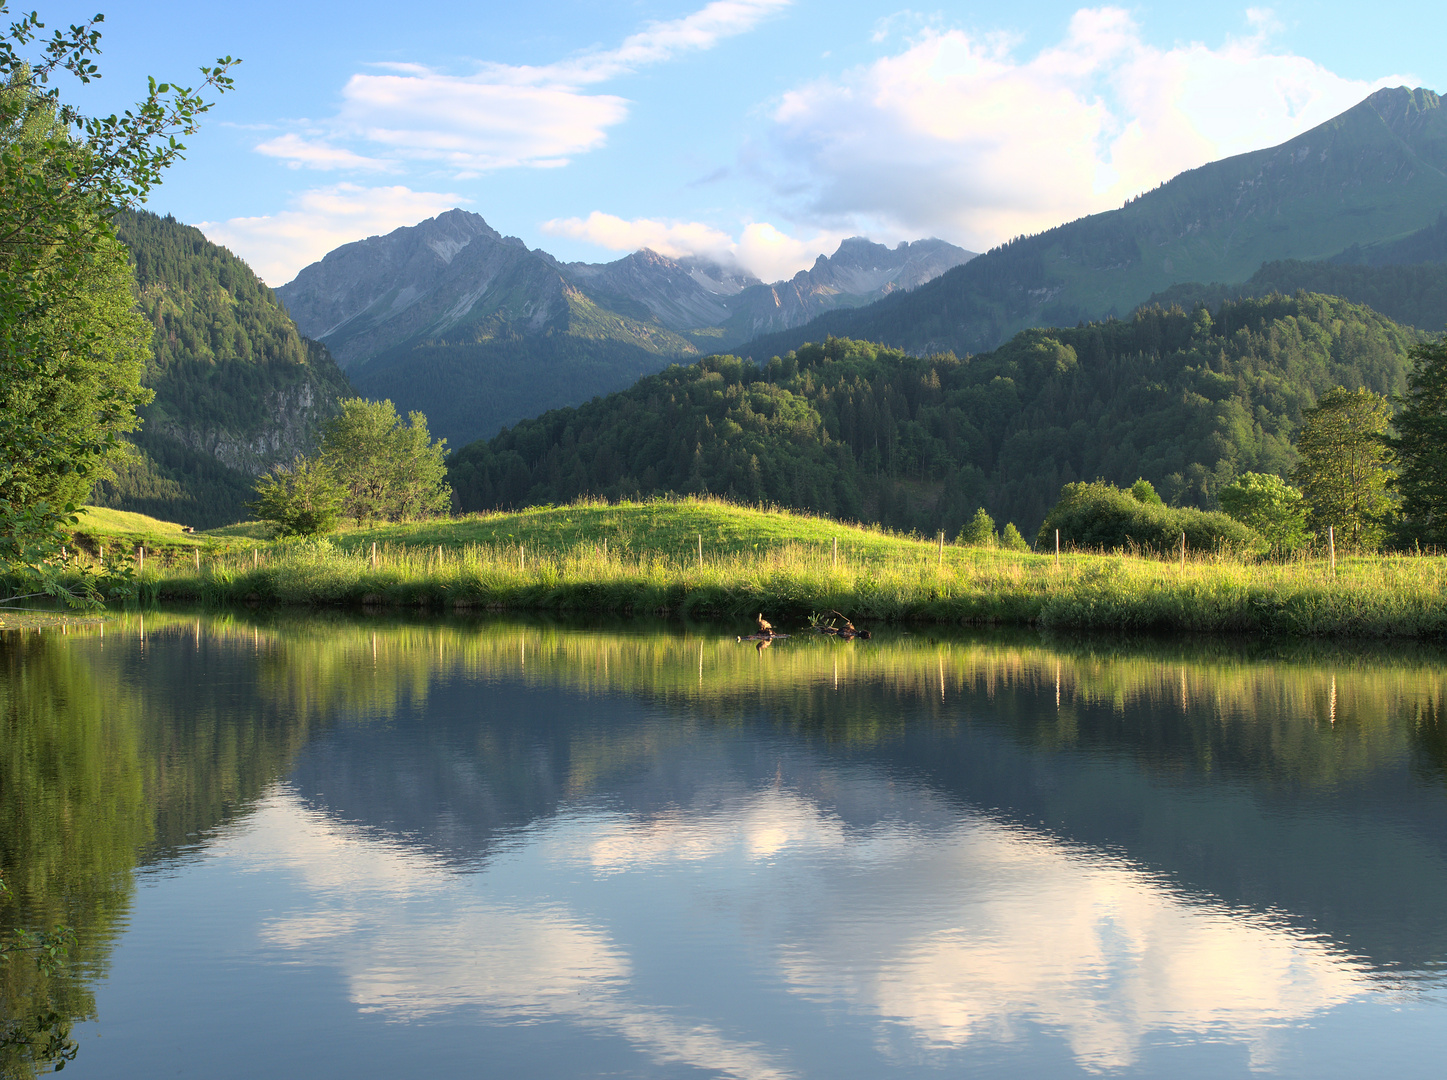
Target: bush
{"points": [[1270, 506], [1011, 540], [300, 499], [979, 531], [1102, 517]]}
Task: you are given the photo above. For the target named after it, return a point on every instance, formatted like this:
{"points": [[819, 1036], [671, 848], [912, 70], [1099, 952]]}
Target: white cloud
{"points": [[476, 124], [298, 152], [503, 115], [958, 136], [278, 245], [759, 247]]}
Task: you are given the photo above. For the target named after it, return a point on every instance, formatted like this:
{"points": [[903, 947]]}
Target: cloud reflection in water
{"points": [[967, 933]]}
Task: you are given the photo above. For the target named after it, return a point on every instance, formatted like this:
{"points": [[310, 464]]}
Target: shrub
{"points": [[979, 531], [300, 499], [1011, 540], [1270, 506], [1101, 516]]}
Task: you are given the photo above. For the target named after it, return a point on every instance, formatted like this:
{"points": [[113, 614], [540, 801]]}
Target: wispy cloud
{"points": [[278, 245], [504, 115], [299, 152]]}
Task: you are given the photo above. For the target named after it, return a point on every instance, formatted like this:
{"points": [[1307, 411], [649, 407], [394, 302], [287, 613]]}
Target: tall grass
{"points": [[644, 558]]}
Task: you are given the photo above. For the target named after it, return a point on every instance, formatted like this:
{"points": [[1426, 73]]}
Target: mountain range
{"points": [[478, 331], [1368, 186]]}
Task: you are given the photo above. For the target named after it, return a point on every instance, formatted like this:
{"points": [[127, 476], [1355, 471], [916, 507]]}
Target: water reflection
{"points": [[916, 853]]}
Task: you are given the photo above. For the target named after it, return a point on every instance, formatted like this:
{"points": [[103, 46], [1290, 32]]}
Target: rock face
{"points": [[859, 273], [421, 282], [455, 278], [455, 320]]}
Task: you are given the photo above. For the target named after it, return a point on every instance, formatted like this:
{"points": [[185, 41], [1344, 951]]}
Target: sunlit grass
{"points": [[645, 557]]}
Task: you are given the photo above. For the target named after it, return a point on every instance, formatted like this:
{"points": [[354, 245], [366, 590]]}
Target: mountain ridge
{"points": [[1375, 173], [453, 301]]}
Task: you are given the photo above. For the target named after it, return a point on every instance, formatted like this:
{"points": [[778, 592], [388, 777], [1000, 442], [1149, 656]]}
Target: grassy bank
{"points": [[636, 558]]}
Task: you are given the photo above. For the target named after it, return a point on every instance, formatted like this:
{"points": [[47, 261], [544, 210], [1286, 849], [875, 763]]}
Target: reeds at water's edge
{"points": [[1376, 596]]}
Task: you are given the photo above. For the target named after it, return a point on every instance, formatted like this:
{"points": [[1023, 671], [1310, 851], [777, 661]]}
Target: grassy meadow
{"points": [[635, 558]]}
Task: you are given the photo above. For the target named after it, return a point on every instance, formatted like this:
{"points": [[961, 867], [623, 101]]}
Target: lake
{"points": [[333, 846]]}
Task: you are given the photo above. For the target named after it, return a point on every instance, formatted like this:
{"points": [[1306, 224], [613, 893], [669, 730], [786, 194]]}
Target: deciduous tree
{"points": [[71, 352], [1346, 466], [300, 499], [388, 469], [1270, 506]]}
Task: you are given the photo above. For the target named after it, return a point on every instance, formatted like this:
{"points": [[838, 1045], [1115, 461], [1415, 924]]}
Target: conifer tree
{"points": [[1421, 447]]}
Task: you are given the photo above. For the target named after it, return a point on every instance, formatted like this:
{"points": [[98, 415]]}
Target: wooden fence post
{"points": [[197, 552], [140, 560]]}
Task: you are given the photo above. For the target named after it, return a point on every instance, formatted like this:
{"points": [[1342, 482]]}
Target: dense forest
{"points": [[1187, 400], [237, 388]]}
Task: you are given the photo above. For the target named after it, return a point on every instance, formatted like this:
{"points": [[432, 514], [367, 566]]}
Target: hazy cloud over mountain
{"points": [[959, 136]]}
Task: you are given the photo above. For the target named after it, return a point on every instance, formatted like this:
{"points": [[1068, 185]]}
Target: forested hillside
{"points": [[237, 387], [493, 372], [861, 431], [1412, 295], [1376, 172]]}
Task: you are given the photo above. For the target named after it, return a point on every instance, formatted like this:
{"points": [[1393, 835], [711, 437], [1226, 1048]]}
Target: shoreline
{"points": [[1379, 597]]}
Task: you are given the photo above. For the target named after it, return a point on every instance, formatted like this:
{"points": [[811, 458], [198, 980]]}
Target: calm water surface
{"points": [[328, 847]]}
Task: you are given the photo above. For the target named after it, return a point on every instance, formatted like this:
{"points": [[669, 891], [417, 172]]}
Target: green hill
{"points": [[1427, 245], [1412, 295], [1374, 174], [866, 432], [237, 387]]}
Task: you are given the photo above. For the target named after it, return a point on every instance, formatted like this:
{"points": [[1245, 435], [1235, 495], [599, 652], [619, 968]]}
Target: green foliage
{"points": [[300, 499], [1421, 447], [386, 469], [1143, 491], [1101, 517], [1270, 507], [979, 531], [1346, 466], [1187, 401], [1011, 540], [230, 372], [71, 351]]}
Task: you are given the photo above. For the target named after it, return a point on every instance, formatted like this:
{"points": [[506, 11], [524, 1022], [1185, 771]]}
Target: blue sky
{"points": [[761, 131]]}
